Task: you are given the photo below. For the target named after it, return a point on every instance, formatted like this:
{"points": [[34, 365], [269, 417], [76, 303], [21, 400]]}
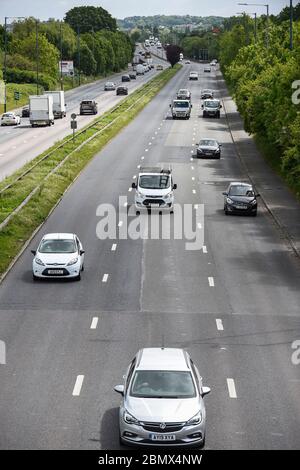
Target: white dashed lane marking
{"points": [[219, 323], [78, 385], [105, 278], [94, 323], [211, 282], [231, 388]]}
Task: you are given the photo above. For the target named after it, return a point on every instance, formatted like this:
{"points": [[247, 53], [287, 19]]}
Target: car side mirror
{"points": [[202, 106], [33, 252], [170, 105], [119, 389], [82, 252], [220, 145], [133, 185], [221, 106], [257, 195], [175, 186], [191, 105], [225, 194], [205, 391]]}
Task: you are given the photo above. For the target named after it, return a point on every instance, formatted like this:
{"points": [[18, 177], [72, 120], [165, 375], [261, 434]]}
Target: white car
{"points": [[109, 86], [162, 400], [10, 119], [59, 255], [193, 76]]}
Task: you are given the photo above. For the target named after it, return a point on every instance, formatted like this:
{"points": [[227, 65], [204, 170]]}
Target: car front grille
{"points": [[147, 202], [170, 427]]}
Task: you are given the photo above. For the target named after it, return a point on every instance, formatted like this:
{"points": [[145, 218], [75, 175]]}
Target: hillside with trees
{"points": [[89, 33], [265, 83]]}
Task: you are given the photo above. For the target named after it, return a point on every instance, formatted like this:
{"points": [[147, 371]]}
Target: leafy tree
{"points": [[88, 18], [173, 54], [48, 54], [87, 63]]}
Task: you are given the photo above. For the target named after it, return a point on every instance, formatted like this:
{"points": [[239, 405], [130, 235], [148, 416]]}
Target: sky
{"points": [[44, 9]]}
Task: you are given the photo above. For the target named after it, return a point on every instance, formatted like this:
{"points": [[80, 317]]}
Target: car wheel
{"points": [[202, 444], [226, 211], [137, 212]]}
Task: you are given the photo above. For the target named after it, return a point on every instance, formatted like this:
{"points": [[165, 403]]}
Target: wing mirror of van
{"points": [[175, 186], [224, 193], [221, 106], [133, 185], [202, 106], [205, 391], [119, 389], [33, 252]]}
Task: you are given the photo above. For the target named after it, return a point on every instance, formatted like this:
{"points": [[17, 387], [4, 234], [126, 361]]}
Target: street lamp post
{"points": [[291, 24], [267, 7], [5, 55], [78, 52], [37, 55]]}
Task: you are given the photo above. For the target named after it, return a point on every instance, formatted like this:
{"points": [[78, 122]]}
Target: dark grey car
{"points": [[209, 148], [240, 198]]}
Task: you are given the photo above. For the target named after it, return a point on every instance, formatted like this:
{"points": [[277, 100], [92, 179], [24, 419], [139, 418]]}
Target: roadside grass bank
{"points": [[52, 177], [25, 90], [272, 156]]}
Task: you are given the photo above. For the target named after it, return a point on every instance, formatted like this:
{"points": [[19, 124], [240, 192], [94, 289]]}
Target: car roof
{"points": [[236, 183], [162, 359], [208, 138], [59, 236]]}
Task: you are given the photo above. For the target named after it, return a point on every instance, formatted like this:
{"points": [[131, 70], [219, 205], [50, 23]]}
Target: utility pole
{"points": [[255, 27], [37, 55], [291, 24], [78, 53], [5, 54], [61, 56]]}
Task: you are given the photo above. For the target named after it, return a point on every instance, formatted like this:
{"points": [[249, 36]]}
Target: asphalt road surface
{"points": [[20, 144], [234, 305]]}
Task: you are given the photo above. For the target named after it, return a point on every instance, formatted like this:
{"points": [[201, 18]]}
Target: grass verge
{"points": [[272, 156], [25, 89], [24, 223]]}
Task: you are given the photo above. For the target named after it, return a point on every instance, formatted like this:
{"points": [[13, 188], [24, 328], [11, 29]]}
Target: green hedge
{"points": [[28, 76]]}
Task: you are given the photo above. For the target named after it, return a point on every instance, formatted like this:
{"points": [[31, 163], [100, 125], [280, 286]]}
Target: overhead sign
{"points": [[66, 67]]}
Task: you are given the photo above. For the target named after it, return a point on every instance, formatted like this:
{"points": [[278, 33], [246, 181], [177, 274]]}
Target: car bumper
{"points": [[134, 435], [237, 210], [67, 271], [208, 155], [159, 205]]}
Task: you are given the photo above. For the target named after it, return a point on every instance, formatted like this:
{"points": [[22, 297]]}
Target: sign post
{"points": [[73, 124]]}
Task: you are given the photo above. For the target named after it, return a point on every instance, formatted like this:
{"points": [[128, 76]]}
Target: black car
{"points": [[122, 90], [132, 75], [240, 198], [25, 111], [88, 107], [207, 94], [209, 148], [125, 78]]}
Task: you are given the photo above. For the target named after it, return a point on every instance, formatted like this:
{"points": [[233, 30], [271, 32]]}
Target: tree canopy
{"points": [[90, 18]]}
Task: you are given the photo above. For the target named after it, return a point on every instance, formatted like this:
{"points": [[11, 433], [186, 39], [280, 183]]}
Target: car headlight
{"points": [[39, 261], [200, 150], [168, 196], [229, 201], [139, 194], [254, 202], [73, 261], [195, 419], [129, 419]]}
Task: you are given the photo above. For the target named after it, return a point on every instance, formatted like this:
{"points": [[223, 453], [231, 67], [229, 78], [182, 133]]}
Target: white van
{"points": [[140, 70]]}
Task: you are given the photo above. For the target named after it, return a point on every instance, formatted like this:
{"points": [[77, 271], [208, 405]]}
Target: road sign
{"points": [[73, 116], [17, 95], [73, 124]]}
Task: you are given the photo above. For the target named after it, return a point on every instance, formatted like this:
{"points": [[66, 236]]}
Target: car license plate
{"points": [[241, 206], [162, 437], [55, 271], [154, 205]]}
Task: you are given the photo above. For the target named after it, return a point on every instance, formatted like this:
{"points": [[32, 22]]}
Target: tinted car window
{"points": [[163, 384]]}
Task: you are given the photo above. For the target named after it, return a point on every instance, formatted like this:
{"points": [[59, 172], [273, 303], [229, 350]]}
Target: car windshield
{"points": [[162, 384], [245, 191], [57, 246], [208, 143], [86, 102], [206, 91], [211, 104], [154, 181], [181, 104], [8, 115]]}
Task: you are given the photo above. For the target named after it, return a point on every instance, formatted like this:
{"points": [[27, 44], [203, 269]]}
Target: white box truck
{"points": [[140, 70], [41, 110], [59, 106]]}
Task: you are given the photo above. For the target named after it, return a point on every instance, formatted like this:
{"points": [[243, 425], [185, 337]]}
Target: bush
{"points": [[27, 76]]}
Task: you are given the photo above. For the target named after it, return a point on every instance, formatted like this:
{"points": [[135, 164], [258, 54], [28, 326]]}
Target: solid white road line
{"points": [[231, 388], [114, 247], [94, 323], [211, 282], [78, 385], [219, 323], [105, 277]]}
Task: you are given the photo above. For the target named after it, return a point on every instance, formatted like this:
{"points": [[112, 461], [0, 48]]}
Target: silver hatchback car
{"points": [[162, 400]]}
